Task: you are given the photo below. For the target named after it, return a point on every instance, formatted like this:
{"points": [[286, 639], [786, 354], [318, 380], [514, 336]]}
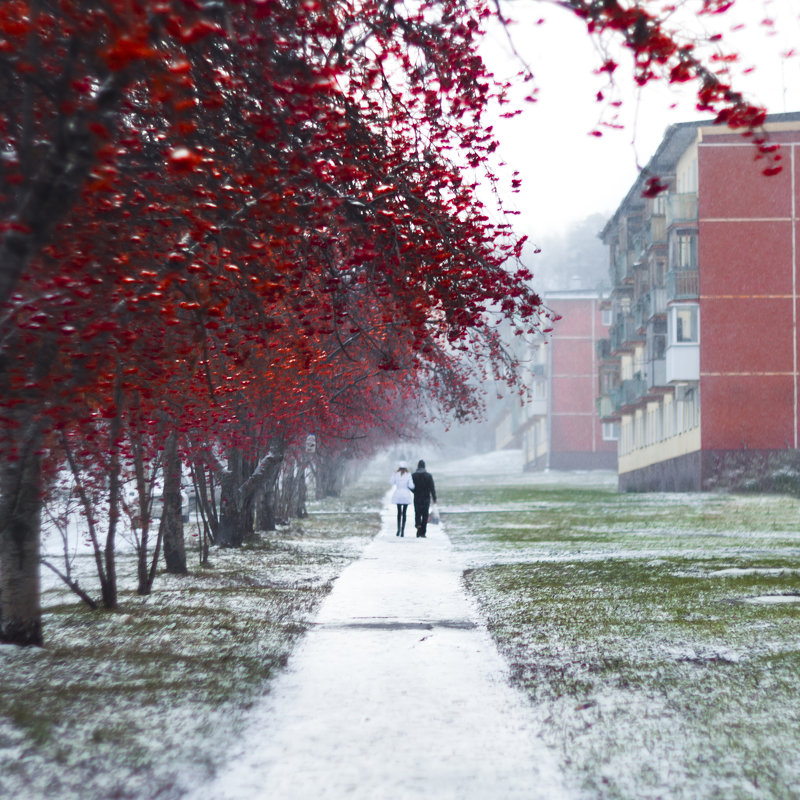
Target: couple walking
{"points": [[420, 487]]}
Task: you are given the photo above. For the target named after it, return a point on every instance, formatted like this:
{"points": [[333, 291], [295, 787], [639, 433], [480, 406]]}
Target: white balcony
{"points": [[683, 363], [681, 208], [536, 408]]}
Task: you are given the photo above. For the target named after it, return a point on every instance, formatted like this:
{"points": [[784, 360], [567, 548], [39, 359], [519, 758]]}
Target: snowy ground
{"points": [[652, 642]]}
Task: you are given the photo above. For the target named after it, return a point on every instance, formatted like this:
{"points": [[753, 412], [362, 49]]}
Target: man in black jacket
{"points": [[424, 492]]}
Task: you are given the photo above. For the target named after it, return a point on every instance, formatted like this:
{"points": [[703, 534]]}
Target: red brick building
{"points": [[701, 365], [560, 428]]}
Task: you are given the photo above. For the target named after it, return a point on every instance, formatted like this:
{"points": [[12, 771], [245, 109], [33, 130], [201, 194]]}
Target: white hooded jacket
{"points": [[403, 484]]}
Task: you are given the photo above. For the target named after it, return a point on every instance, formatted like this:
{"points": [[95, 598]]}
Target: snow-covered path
{"points": [[397, 692]]}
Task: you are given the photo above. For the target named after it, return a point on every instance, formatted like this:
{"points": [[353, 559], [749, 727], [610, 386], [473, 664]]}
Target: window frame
{"points": [[675, 317]]}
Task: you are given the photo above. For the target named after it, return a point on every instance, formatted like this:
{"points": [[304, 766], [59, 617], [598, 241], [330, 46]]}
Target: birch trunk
{"points": [[20, 525]]}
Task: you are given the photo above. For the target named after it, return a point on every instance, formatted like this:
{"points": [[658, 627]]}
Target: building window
{"points": [[626, 437], [684, 253], [609, 383], [688, 411], [685, 328], [638, 431], [657, 345], [610, 431], [607, 317]]}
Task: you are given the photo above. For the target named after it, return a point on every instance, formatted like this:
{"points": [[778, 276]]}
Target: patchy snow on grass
{"points": [[739, 572], [773, 599], [144, 701], [636, 624]]}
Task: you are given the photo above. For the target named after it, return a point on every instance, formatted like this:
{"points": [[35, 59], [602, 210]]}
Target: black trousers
{"points": [[402, 508], [421, 510]]}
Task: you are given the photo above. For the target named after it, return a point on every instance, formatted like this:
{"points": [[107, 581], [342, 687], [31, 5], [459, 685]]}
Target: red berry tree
{"points": [[224, 220]]}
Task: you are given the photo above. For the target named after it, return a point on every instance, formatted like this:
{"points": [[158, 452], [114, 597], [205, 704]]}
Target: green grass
{"points": [[630, 622]]}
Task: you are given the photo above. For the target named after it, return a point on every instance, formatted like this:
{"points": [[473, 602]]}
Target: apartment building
{"points": [[700, 368], [558, 426]]}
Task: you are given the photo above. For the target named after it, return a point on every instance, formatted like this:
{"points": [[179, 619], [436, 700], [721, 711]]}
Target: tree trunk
{"points": [[233, 523], [143, 585], [142, 521], [20, 525], [240, 484], [231, 531], [329, 475], [109, 585], [171, 527], [207, 509], [291, 499], [57, 179], [265, 512], [299, 510]]}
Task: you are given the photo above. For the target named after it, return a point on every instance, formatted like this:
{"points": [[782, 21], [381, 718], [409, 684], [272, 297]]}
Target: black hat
{"points": [[421, 464]]}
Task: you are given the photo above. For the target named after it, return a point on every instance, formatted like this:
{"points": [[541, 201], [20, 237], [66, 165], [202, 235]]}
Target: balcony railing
{"points": [[621, 267], [640, 313], [650, 304], [630, 392], [604, 349], [681, 208], [657, 373], [631, 332], [657, 230], [616, 336], [624, 333], [658, 298], [606, 408], [683, 284], [638, 246], [656, 302]]}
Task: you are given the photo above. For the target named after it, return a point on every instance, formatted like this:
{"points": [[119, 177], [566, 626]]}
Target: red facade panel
{"points": [[574, 357], [746, 335], [576, 317], [745, 258], [573, 395], [748, 281], [732, 185], [575, 427], [753, 413], [795, 152], [570, 434]]}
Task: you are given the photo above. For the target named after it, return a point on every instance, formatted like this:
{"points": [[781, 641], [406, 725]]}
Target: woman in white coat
{"points": [[403, 487]]}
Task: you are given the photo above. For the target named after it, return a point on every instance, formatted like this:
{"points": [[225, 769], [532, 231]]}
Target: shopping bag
{"points": [[434, 515]]}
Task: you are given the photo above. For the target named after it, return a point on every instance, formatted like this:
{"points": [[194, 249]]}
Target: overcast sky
{"points": [[569, 174]]}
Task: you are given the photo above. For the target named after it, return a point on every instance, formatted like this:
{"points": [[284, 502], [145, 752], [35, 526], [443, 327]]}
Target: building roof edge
{"points": [[676, 139]]}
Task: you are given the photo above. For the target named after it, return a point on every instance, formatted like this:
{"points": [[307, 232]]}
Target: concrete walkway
{"points": [[397, 692]]}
